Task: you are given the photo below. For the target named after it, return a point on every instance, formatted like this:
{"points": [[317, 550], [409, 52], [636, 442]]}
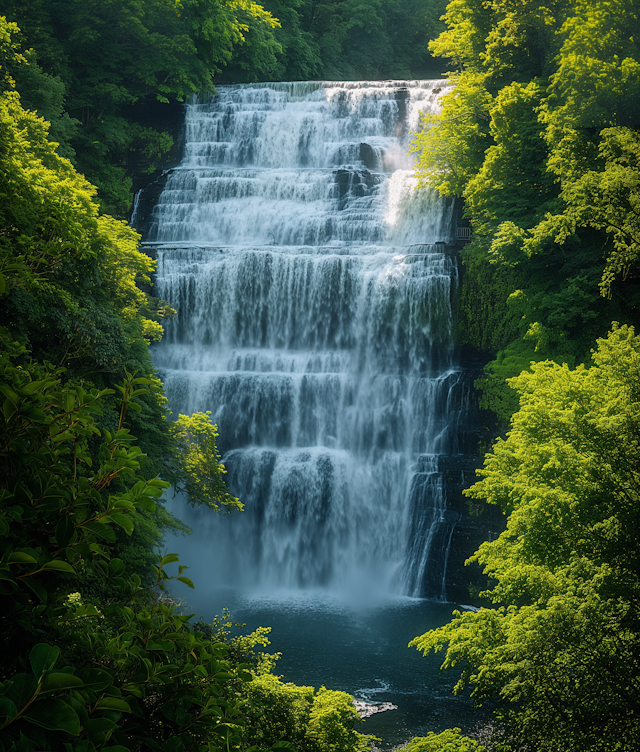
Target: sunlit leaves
{"points": [[311, 721], [597, 81], [561, 653], [200, 465], [450, 740], [451, 144], [609, 199]]}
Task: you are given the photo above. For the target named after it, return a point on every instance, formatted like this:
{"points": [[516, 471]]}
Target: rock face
{"points": [[477, 521], [168, 118], [315, 296]]}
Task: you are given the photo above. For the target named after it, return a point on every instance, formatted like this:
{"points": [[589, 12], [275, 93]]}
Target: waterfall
{"points": [[313, 288]]}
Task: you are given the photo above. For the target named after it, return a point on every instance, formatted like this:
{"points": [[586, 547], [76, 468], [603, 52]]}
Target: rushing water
{"points": [[314, 322], [313, 288]]}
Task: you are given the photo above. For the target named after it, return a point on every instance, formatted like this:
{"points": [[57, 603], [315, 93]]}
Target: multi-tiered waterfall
{"points": [[313, 291]]}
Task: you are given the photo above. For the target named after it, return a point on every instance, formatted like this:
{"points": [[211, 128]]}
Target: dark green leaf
{"points": [[42, 658], [18, 557], [113, 703], [37, 588], [7, 708], [64, 531], [58, 565], [60, 681], [20, 689], [55, 715], [95, 678]]}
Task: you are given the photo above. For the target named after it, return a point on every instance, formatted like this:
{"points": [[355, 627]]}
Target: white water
{"points": [[314, 322]]}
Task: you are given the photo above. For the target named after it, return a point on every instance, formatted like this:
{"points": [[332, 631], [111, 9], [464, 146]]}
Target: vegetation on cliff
{"points": [[540, 138], [558, 653]]}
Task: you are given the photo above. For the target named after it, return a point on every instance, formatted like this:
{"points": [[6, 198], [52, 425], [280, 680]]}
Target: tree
{"points": [[114, 56], [311, 721], [134, 674], [537, 135], [560, 652], [450, 740], [198, 463]]}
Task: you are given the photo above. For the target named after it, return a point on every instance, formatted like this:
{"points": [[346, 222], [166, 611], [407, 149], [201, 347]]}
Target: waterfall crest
{"points": [[314, 321]]}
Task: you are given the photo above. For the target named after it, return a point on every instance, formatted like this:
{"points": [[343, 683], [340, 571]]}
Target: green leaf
{"points": [[37, 588], [100, 530], [95, 678], [9, 393], [116, 567], [42, 658], [144, 502], [60, 681], [58, 565], [169, 559], [18, 557], [8, 409], [113, 703], [224, 676], [64, 531], [7, 708], [64, 436], [54, 715], [98, 728], [20, 689], [124, 521], [186, 581]]}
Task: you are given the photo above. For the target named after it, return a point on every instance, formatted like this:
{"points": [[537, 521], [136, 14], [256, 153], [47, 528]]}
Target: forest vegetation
{"points": [[540, 139]]}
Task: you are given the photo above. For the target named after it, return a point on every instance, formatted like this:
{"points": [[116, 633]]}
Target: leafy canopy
{"points": [[559, 653], [538, 134]]}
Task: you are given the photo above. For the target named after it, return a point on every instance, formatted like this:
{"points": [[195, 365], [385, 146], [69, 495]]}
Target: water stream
{"points": [[314, 296]]}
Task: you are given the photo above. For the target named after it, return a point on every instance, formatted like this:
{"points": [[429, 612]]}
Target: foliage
{"points": [[199, 462], [539, 137], [53, 242], [72, 275], [143, 678], [351, 39], [560, 654], [452, 143], [450, 740], [113, 56], [321, 721], [609, 199], [490, 318], [280, 714]]}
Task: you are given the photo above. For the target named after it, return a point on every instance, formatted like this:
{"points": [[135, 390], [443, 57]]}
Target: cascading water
{"points": [[313, 292]]}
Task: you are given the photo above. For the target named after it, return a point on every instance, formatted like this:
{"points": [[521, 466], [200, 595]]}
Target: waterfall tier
{"points": [[313, 291]]}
